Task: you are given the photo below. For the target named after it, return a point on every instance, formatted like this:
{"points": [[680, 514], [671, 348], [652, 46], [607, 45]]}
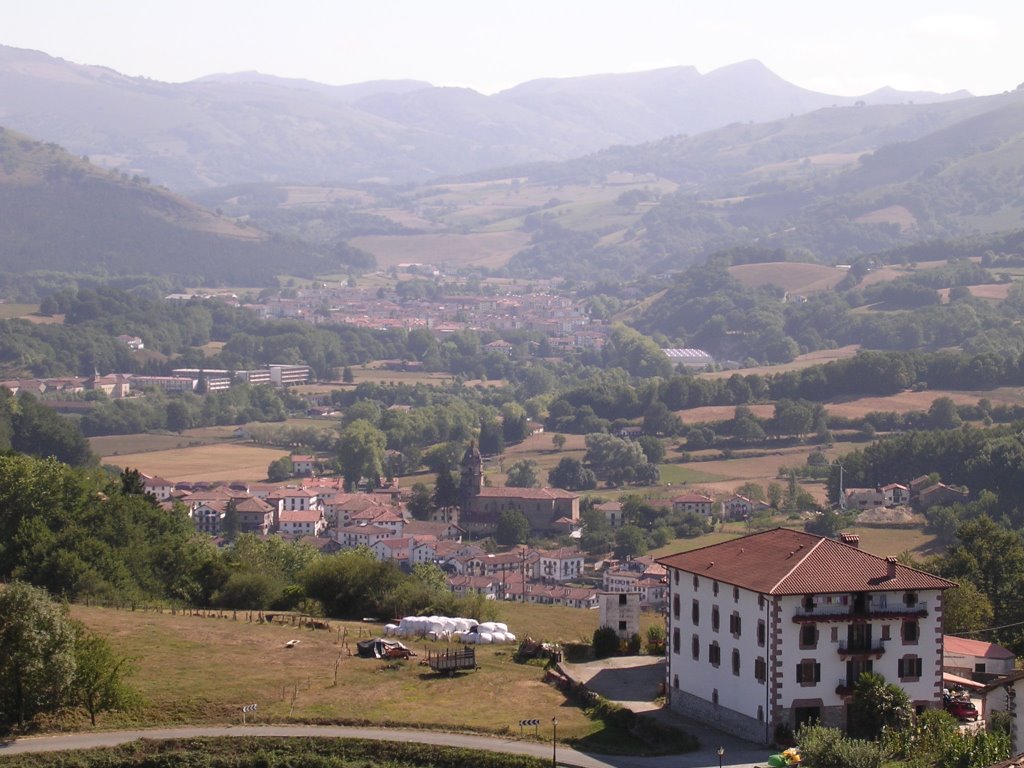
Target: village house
{"points": [[158, 486], [941, 494], [255, 516], [738, 507], [774, 629], [465, 586], [301, 522], [303, 464], [395, 549], [352, 536], [612, 511], [293, 498], [552, 594], [976, 659], [1002, 695], [693, 502], [560, 564]]}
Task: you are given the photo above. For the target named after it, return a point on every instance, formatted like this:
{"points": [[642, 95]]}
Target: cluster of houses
{"points": [[319, 512], [520, 307], [921, 493]]}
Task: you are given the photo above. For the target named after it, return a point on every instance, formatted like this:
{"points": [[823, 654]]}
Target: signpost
{"points": [[534, 723], [247, 708]]}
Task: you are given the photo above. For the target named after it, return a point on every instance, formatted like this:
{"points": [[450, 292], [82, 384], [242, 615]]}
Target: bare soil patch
{"points": [[790, 276]]}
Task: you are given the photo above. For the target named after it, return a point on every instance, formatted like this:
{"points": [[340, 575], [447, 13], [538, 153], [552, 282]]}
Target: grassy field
{"points": [[794, 277], [9, 311], [212, 461], [479, 249], [819, 357], [201, 670]]}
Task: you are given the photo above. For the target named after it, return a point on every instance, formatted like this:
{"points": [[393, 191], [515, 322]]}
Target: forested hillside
{"points": [[62, 214]]}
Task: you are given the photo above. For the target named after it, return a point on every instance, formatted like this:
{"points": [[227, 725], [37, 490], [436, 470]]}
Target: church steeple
{"points": [[471, 473]]}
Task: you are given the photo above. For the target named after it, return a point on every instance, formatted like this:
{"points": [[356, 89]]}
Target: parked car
{"points": [[961, 709]]}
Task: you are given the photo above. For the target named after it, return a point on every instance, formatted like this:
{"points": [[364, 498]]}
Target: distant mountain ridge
{"points": [[246, 127]]}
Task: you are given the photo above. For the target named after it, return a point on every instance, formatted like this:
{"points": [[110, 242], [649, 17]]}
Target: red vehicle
{"points": [[961, 709]]}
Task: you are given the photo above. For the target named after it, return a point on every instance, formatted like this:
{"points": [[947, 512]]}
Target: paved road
{"points": [[703, 758]]}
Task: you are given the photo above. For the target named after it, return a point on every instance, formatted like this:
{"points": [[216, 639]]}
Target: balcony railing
{"points": [[838, 611], [872, 647]]}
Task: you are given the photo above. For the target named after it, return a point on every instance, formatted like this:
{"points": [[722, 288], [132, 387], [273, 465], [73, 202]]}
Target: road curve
{"points": [[703, 758]]}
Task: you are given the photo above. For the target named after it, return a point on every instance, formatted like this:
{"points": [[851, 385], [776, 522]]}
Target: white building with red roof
{"points": [[563, 564], [775, 628], [967, 658], [302, 522], [693, 502]]}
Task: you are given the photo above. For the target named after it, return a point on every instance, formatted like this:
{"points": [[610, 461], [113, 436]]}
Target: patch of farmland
{"points": [[490, 249], [800, 362], [794, 277], [216, 461], [904, 402]]}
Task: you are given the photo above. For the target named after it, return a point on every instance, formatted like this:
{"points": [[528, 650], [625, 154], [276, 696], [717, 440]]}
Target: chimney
{"points": [[850, 539], [890, 570]]}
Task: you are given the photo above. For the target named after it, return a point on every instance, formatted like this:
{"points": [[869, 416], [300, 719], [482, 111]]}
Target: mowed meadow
{"points": [[193, 668]]}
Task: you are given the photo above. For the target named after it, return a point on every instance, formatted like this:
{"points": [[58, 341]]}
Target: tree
{"points": [[774, 495], [446, 489], [653, 448], [752, 491], [558, 441], [630, 542], [37, 654], [965, 609], [99, 683], [877, 704], [230, 525], [280, 470], [606, 642], [942, 414], [513, 527], [361, 451], [347, 376], [571, 475], [420, 504], [523, 474]]}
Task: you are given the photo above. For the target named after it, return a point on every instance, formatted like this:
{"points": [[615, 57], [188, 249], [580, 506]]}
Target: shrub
{"points": [[633, 644], [606, 642]]}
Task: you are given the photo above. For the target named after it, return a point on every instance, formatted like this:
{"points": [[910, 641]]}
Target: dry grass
{"points": [[800, 362], [794, 277], [115, 445], [920, 401], [893, 214], [491, 249], [707, 413], [201, 670], [992, 291], [217, 461]]}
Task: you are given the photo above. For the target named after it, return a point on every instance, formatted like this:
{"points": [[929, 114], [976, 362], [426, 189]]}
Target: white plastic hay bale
{"points": [[390, 629], [500, 626], [485, 637], [509, 637], [499, 637], [488, 626]]}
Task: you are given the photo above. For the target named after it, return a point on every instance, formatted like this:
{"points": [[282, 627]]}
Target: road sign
{"points": [[529, 722], [248, 708]]}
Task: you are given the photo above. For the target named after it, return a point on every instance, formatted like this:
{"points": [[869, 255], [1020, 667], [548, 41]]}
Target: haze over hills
{"points": [[62, 214], [247, 127]]}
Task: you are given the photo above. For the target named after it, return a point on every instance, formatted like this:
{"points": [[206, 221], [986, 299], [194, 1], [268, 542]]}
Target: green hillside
{"points": [[61, 214]]}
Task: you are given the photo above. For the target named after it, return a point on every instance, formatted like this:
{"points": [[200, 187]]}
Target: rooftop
{"points": [[787, 562]]}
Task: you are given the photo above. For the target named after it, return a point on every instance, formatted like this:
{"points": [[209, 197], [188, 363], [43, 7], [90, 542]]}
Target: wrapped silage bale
{"points": [[498, 637], [485, 637], [488, 626], [389, 630], [500, 627], [510, 637]]}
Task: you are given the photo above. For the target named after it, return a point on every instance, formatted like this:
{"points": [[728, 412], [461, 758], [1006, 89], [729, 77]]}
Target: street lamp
{"points": [[721, 754], [554, 741]]}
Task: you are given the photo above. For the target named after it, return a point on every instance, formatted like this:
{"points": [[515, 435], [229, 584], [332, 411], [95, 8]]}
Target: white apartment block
{"points": [[775, 628]]}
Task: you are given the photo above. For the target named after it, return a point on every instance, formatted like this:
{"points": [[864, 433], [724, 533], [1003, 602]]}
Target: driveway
{"points": [[635, 682]]}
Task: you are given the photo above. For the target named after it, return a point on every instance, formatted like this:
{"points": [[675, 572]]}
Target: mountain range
{"points": [[247, 127]]}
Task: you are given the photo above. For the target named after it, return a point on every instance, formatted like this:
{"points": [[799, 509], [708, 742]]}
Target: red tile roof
{"points": [[787, 562], [965, 647], [525, 493]]}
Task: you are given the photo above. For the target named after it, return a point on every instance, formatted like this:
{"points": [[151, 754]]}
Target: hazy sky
{"points": [[845, 48]]}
